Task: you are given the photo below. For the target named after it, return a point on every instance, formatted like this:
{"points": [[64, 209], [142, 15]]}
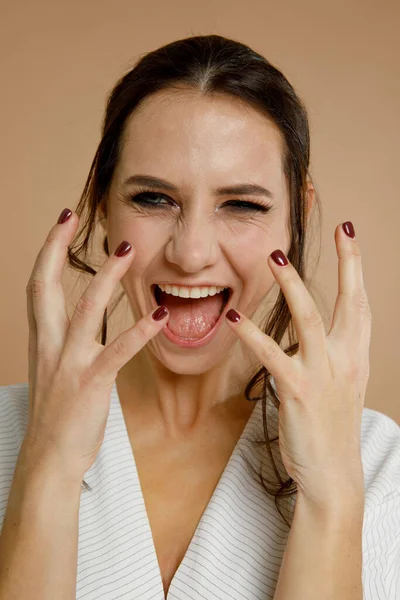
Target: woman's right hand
{"points": [[70, 374]]}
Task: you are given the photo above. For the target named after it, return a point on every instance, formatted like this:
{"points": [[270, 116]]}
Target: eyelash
{"points": [[240, 204]]}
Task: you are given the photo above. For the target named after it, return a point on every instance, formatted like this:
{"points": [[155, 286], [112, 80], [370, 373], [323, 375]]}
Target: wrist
{"points": [[338, 511], [45, 469]]}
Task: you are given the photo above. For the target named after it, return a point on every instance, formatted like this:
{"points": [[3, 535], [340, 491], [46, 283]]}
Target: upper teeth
{"points": [[191, 292]]}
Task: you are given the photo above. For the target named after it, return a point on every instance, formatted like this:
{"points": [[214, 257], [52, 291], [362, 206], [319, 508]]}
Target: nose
{"points": [[193, 245]]}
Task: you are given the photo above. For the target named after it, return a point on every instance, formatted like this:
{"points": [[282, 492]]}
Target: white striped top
{"points": [[237, 548]]}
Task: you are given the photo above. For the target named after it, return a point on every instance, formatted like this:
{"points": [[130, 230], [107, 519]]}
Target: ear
{"points": [[310, 196], [101, 209]]}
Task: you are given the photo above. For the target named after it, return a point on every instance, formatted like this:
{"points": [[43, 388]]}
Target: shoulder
{"points": [[380, 449], [14, 403]]}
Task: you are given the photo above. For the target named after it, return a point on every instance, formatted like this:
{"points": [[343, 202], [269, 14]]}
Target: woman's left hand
{"points": [[321, 388]]}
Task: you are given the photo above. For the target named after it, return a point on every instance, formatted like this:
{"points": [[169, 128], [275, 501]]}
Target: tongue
{"points": [[192, 317]]}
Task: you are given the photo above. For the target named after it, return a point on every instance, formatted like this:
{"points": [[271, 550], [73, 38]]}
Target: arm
{"points": [[323, 556], [39, 538]]}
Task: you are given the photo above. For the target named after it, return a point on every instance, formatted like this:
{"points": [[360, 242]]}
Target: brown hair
{"points": [[211, 64]]}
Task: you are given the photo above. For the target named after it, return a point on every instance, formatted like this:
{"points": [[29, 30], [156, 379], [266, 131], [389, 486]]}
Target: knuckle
{"points": [[143, 328], [356, 252], [303, 386], [270, 352], [41, 354], [312, 318], [52, 237], [361, 303], [84, 307], [35, 287], [120, 347], [87, 377], [352, 370], [356, 369]]}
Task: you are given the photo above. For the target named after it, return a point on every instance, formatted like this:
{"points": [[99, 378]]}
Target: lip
{"points": [[190, 284], [169, 335]]}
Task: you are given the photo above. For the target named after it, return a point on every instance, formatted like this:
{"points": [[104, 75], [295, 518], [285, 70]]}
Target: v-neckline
{"points": [[190, 554]]}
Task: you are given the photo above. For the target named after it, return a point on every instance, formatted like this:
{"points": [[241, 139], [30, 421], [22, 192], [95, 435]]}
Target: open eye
{"points": [[147, 199]]}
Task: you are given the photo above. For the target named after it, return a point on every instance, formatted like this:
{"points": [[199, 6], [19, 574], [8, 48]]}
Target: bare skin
{"points": [[173, 398], [193, 465]]}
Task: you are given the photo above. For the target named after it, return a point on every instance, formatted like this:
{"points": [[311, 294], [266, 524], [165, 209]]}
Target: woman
{"points": [[201, 184]]}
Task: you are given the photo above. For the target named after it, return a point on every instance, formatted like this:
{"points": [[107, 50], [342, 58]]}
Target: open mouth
{"points": [[192, 321], [226, 295]]}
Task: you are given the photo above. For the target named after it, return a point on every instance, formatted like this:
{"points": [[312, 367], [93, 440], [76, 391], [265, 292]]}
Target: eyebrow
{"points": [[249, 189]]}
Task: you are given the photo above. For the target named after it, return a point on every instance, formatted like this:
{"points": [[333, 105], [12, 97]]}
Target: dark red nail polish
{"points": [[64, 216], [160, 313], [348, 228], [123, 249], [232, 315], [278, 257]]}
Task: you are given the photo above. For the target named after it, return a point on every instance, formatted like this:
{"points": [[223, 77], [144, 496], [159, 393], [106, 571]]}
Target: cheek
{"points": [[145, 240], [251, 245], [249, 256]]}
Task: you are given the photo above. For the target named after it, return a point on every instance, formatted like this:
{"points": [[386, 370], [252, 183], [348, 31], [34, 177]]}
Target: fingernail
{"points": [[160, 313], [232, 315], [278, 257], [123, 249], [348, 228], [64, 216]]}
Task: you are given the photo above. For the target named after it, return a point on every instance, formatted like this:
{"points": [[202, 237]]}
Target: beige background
{"points": [[59, 59]]}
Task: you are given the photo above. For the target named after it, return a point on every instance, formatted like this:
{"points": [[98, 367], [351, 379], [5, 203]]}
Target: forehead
{"points": [[185, 134]]}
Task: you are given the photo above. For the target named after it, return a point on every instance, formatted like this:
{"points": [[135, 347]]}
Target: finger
{"points": [[46, 307], [126, 345], [264, 347], [306, 317], [89, 311], [31, 347], [352, 309]]}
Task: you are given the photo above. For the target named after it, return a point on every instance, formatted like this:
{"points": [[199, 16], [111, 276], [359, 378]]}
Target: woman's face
{"points": [[192, 234]]}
